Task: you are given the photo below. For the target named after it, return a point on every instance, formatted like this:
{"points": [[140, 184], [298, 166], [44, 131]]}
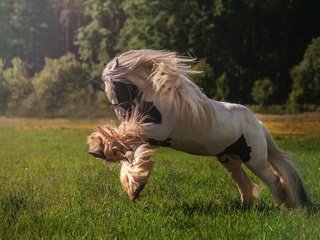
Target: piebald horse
{"points": [[177, 114]]}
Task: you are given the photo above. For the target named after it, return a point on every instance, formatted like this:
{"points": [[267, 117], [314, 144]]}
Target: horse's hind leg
{"points": [[247, 188], [260, 167]]}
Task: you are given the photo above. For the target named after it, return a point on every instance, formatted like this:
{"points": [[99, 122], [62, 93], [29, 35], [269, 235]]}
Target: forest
{"points": [[52, 52]]}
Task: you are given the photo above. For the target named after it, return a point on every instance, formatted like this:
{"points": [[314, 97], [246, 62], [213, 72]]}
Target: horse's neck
{"points": [[139, 80]]}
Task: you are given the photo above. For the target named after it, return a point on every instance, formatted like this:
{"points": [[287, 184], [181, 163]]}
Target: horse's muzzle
{"points": [[97, 153]]}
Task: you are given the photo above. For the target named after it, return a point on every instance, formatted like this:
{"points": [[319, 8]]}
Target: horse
{"points": [[179, 115]]}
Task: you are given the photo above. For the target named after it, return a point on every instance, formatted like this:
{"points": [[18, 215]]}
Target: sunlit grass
{"points": [[50, 188], [50, 124], [294, 128], [306, 125]]}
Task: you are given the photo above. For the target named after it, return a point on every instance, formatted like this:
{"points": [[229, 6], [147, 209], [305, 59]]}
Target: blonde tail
{"points": [[294, 191]]}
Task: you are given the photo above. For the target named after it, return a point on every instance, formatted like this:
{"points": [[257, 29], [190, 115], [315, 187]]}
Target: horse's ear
{"points": [[117, 63]]}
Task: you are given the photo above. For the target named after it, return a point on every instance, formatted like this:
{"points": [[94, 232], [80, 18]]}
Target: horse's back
{"points": [[223, 125]]}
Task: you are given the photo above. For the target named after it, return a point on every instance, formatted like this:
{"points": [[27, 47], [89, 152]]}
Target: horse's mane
{"points": [[167, 78]]}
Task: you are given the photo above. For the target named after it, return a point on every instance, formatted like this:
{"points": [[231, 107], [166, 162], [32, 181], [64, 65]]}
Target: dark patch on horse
{"points": [[239, 148], [152, 113], [165, 143], [125, 94]]}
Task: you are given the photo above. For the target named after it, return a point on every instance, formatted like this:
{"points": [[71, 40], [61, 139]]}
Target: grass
{"points": [[50, 188]]}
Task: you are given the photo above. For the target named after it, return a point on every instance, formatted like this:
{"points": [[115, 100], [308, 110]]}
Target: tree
{"points": [[4, 9], [158, 24], [69, 14], [32, 32], [262, 91], [252, 39], [242, 41], [222, 86], [4, 92], [306, 78], [206, 79], [17, 85], [247, 40], [97, 39], [53, 85]]}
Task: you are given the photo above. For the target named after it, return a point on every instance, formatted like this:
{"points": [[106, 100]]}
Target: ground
{"points": [[50, 188]]}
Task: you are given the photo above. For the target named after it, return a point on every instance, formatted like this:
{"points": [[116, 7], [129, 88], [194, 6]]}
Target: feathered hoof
{"points": [[134, 175]]}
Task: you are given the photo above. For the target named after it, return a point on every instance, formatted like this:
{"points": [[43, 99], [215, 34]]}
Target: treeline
{"points": [[252, 51]]}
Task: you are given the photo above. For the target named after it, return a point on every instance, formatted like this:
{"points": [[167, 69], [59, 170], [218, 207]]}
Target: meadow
{"points": [[50, 188]]}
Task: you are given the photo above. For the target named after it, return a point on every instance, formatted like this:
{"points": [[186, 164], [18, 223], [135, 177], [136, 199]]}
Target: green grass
{"points": [[50, 188]]}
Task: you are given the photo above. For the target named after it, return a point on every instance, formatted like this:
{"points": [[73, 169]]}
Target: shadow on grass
{"points": [[232, 206], [12, 206], [212, 208], [313, 209]]}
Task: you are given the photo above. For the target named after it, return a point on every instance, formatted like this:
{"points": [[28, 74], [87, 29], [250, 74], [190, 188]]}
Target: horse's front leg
{"points": [[158, 134], [247, 188], [135, 173]]}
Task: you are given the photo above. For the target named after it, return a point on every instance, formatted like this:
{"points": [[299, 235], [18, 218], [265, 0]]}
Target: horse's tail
{"points": [[290, 180]]}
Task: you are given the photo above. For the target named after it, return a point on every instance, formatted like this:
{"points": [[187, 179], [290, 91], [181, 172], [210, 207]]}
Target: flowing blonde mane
{"points": [[167, 77]]}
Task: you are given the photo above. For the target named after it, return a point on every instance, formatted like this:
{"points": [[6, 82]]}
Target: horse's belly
{"points": [[191, 147]]}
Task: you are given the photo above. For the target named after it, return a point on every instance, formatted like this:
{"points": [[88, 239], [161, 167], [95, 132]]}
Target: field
{"points": [[50, 188]]}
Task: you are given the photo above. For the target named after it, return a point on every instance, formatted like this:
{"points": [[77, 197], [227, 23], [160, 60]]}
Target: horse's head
{"points": [[124, 83], [157, 81]]}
